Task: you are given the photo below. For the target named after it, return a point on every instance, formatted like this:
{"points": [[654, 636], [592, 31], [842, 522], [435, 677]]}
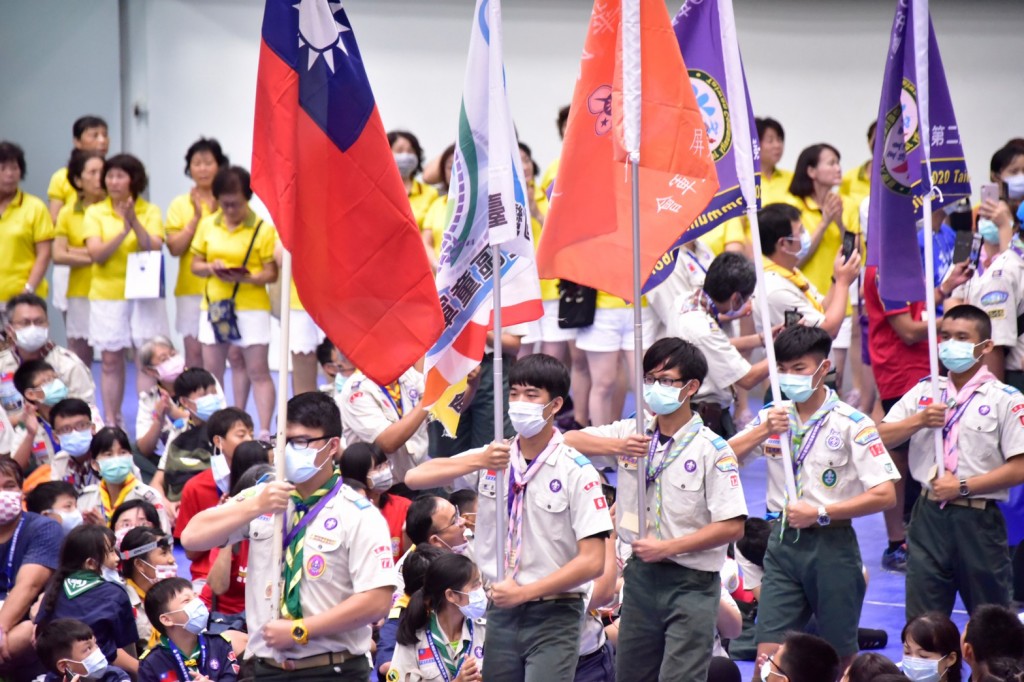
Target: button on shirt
{"points": [[725, 364], [347, 550], [1000, 293], [991, 432], [702, 486], [846, 459]]}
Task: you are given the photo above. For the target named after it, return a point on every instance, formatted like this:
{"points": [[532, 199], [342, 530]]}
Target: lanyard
{"points": [[955, 417], [181, 662], [10, 554], [696, 261], [441, 664], [654, 473], [804, 441], [517, 499], [311, 514], [397, 405]]}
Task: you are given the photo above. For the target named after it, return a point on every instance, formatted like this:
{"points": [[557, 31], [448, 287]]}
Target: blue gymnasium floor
{"points": [[883, 606]]}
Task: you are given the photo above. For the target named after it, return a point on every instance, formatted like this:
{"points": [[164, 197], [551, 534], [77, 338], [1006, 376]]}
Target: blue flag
{"points": [[899, 181]]}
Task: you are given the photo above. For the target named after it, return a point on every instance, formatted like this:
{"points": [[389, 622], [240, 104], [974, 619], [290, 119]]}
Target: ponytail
{"points": [[414, 618]]}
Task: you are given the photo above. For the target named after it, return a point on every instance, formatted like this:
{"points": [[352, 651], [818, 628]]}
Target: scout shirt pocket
{"points": [[552, 498], [829, 472], [682, 492], [979, 438], [321, 542]]}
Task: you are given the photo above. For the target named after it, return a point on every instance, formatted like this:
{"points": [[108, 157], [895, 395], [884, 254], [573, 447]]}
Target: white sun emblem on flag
{"points": [[319, 31]]}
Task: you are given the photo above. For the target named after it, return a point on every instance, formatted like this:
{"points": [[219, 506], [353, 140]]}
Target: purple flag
{"points": [[899, 181], [700, 40]]}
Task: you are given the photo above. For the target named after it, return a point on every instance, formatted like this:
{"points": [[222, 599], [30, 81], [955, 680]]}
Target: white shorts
{"points": [[845, 335], [186, 319], [613, 330], [253, 325], [77, 321], [303, 334], [550, 332], [59, 288], [116, 325]]}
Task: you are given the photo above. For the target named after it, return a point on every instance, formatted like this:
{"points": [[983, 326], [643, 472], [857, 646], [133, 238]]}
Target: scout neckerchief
{"points": [[190, 663], [449, 658], [304, 511], [670, 454], [701, 301], [519, 476], [80, 474], [126, 487], [797, 279], [154, 636], [9, 572], [802, 440], [394, 393], [80, 582], [963, 397]]}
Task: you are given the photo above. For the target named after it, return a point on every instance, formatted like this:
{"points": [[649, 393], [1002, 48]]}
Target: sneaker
{"points": [[896, 560], [869, 640]]}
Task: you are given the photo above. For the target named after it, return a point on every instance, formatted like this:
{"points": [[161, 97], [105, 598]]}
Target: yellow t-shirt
{"points": [[179, 214], [776, 189], [737, 230], [820, 267], [23, 224], [856, 184], [102, 221], [436, 220], [214, 241], [548, 287], [71, 226], [548, 178], [60, 188], [296, 304], [421, 196]]}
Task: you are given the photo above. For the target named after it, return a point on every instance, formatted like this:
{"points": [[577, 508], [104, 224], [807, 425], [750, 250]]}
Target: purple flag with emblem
{"points": [[699, 33], [899, 181]]}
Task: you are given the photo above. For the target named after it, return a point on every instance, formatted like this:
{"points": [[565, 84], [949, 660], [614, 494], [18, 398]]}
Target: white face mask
{"points": [[921, 669], [70, 520], [95, 664], [382, 480], [527, 418], [32, 338], [221, 470]]}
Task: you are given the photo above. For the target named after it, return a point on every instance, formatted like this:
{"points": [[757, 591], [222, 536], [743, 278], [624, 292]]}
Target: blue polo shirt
{"points": [[105, 608], [36, 541], [159, 664]]}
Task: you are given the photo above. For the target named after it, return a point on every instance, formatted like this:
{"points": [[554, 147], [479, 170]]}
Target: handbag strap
{"points": [[252, 242]]}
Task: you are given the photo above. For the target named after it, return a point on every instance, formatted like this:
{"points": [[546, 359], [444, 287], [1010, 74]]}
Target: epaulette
{"points": [[850, 411], [1012, 390], [355, 498]]}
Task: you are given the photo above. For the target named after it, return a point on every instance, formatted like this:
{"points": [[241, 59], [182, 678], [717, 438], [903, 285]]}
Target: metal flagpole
{"points": [[501, 522], [276, 547], [922, 42], [740, 122]]}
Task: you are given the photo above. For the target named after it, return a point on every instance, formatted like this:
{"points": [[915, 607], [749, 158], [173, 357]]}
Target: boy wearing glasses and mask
{"points": [[813, 563], [957, 538], [338, 573], [695, 508], [557, 526]]}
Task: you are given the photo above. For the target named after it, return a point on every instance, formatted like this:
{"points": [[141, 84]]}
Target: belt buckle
{"points": [[288, 664]]}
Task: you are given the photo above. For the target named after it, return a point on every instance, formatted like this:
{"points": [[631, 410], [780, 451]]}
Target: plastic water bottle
{"points": [[10, 400]]}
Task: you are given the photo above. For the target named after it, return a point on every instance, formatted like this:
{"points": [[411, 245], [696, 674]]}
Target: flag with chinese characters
{"points": [[322, 165], [700, 37], [587, 235], [487, 205], [899, 181]]}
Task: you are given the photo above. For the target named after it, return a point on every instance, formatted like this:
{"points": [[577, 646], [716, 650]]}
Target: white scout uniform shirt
{"points": [[6, 434], [783, 295], [991, 432], [90, 498], [562, 505], [592, 635], [168, 432], [686, 278], [846, 459], [725, 364], [367, 410], [68, 366], [414, 663], [347, 550], [1000, 293], [700, 487]]}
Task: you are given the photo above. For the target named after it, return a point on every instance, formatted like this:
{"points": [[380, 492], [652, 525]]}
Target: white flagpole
{"points": [[743, 155], [921, 45], [631, 132], [276, 546]]}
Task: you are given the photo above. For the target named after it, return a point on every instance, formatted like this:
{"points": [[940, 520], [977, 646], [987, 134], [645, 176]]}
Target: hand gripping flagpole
{"points": [[922, 42], [631, 65], [743, 154], [276, 545]]}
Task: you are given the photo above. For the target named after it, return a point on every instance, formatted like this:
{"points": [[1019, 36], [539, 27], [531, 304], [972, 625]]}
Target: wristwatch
{"points": [[823, 518], [964, 490], [299, 632]]}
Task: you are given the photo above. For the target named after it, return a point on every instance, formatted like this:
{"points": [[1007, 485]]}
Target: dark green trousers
{"points": [[533, 642], [352, 670]]}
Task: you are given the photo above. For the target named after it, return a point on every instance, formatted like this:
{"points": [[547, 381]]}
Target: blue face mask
{"points": [[805, 246], [76, 443], [54, 392], [115, 469], [799, 387], [663, 399], [300, 463], [988, 230], [208, 404], [957, 356]]}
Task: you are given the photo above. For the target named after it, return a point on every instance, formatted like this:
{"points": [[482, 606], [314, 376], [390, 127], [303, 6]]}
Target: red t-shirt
{"points": [[897, 367], [199, 493], [232, 601], [394, 513]]}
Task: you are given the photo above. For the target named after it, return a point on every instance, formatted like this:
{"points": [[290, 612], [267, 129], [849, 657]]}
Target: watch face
{"points": [[297, 631]]}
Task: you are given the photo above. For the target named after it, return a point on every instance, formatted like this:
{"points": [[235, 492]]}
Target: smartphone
{"points": [[849, 244], [967, 247], [237, 271], [793, 318], [990, 192]]}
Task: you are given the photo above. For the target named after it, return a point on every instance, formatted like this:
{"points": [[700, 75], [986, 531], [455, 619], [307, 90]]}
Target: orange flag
{"points": [[587, 235]]}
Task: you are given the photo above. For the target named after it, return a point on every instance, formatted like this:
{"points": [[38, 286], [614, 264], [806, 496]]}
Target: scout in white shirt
{"points": [[391, 417], [957, 538], [558, 520], [784, 242], [813, 563], [338, 573], [679, 273], [695, 508], [1000, 293], [728, 285]]}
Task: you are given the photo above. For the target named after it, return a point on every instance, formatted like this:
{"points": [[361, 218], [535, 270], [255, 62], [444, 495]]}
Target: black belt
{"points": [[592, 655]]}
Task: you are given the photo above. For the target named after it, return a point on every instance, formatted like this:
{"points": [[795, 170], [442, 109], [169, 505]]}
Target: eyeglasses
{"points": [[667, 382], [78, 426], [457, 520], [781, 673], [303, 442]]}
